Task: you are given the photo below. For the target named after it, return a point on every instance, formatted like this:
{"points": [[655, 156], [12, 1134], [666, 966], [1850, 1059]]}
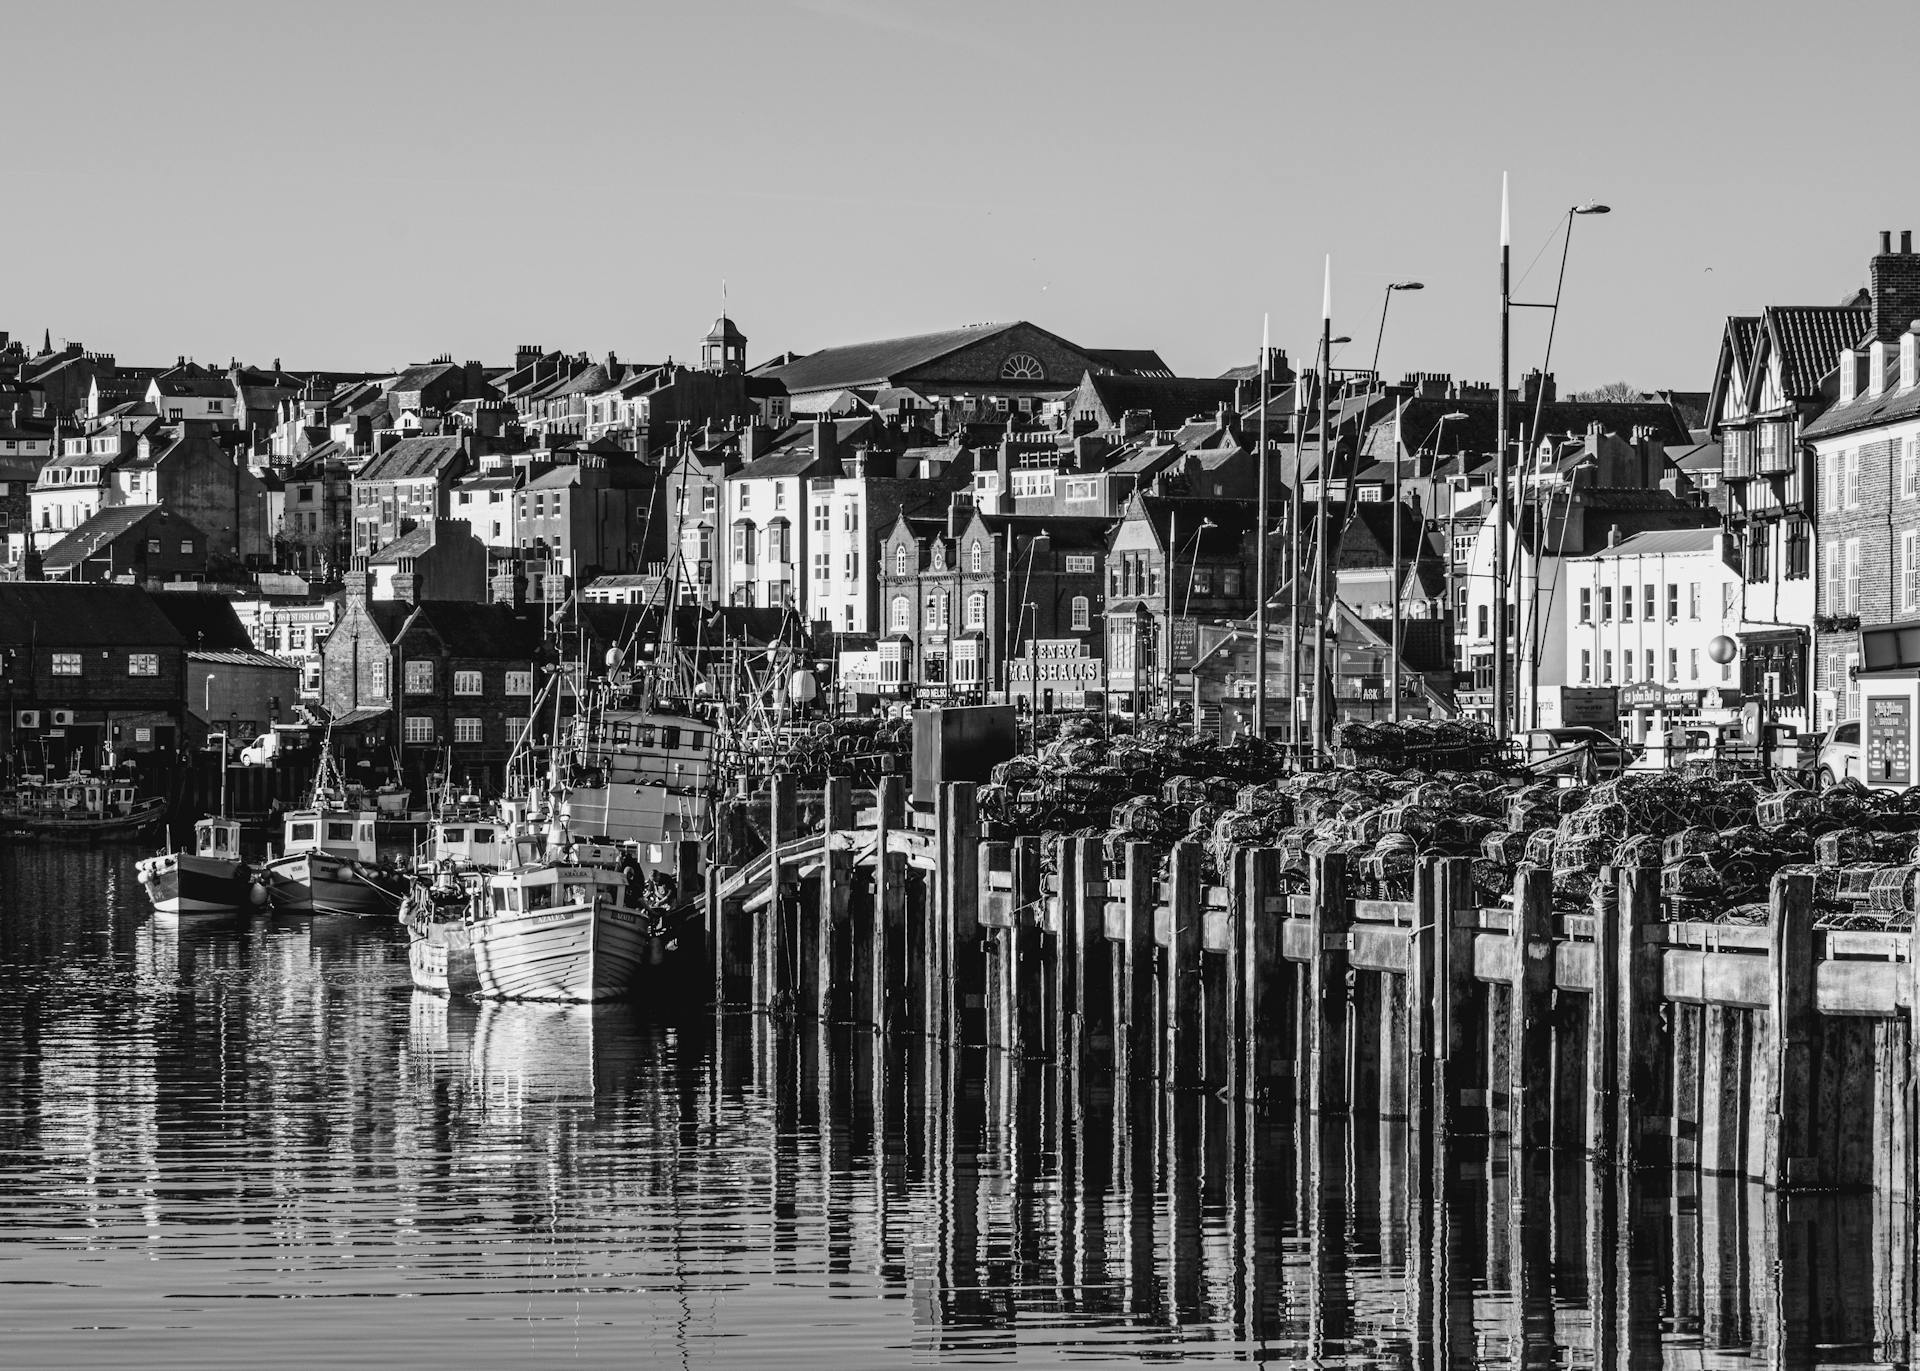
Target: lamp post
{"points": [[1193, 565], [1503, 576], [1381, 334], [1260, 590]]}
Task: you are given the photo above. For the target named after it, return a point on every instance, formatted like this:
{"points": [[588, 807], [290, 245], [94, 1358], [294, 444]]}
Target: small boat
{"points": [[327, 864], [82, 808], [209, 879], [328, 861]]}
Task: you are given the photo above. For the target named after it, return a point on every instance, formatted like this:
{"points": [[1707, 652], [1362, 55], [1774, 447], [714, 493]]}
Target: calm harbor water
{"points": [[247, 1141]]}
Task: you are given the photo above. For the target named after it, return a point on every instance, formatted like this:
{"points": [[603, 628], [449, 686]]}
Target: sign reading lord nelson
{"points": [[1060, 664]]}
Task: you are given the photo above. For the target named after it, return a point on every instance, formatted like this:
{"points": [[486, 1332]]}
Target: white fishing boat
{"points": [[575, 928], [328, 862]]}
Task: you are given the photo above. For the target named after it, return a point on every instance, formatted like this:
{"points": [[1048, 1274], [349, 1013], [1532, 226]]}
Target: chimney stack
{"points": [[1894, 283]]}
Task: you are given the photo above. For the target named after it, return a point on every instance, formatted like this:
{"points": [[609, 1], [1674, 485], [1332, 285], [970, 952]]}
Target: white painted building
{"points": [[1643, 611]]}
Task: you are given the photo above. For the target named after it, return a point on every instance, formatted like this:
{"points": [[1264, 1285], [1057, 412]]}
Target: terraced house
{"points": [[1866, 453]]}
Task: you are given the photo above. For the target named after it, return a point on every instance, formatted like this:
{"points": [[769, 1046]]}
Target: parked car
{"points": [[1839, 755], [1572, 745]]}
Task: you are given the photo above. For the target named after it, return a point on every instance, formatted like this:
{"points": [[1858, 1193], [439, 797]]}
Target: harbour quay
{"points": [[1731, 1001]]}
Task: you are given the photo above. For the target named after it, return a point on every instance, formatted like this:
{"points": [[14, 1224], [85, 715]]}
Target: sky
{"points": [[358, 186]]}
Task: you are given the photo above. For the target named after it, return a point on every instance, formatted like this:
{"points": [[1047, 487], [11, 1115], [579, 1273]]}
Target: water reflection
{"points": [[211, 1132]]}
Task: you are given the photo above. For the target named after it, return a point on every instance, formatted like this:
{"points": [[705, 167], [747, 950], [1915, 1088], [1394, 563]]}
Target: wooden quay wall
{"points": [[1779, 1052]]}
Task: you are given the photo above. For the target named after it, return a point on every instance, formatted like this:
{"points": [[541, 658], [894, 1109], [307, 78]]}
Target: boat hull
{"points": [[314, 882], [186, 884], [568, 954], [60, 829], [440, 957]]}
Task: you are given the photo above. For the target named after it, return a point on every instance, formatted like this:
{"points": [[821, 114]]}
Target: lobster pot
{"points": [[1891, 891], [1587, 853], [1842, 846], [1688, 842], [1595, 821], [1691, 876], [1505, 847], [1783, 808], [1540, 846], [1641, 850]]}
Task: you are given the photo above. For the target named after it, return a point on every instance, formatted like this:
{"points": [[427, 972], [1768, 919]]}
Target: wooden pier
{"points": [[1781, 1052]]}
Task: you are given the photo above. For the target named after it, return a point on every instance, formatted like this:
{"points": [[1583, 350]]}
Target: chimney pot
{"points": [[1906, 241]]}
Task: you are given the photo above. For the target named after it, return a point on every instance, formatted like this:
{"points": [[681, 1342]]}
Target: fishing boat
{"points": [[573, 928], [328, 860], [465, 841], [81, 808], [210, 878]]}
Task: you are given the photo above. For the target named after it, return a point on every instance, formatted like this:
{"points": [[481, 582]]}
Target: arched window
{"points": [[977, 605], [900, 559], [976, 558], [900, 621], [1082, 614], [1022, 366]]}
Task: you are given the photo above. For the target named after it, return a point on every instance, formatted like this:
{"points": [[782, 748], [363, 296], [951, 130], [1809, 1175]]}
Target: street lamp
{"points": [[1392, 286], [1193, 564], [1502, 496]]}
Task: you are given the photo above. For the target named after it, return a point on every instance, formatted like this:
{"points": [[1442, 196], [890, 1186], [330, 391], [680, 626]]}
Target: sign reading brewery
{"points": [[1059, 662]]}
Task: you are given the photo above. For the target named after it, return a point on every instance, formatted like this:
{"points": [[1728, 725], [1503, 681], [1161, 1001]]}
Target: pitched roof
{"points": [[241, 656], [1663, 540], [1130, 361], [875, 363], [1171, 400], [420, 377], [194, 381], [495, 631], [409, 544], [409, 458], [1809, 339], [103, 528], [58, 614], [205, 621], [1891, 405]]}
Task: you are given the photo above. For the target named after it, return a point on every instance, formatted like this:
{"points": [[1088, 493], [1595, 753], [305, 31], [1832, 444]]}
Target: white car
{"points": [[1840, 755]]}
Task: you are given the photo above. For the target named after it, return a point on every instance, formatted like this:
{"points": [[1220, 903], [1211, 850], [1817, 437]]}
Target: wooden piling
{"points": [[1182, 1051], [1329, 917], [1459, 1076], [1603, 1014], [1130, 932], [883, 962], [961, 990], [832, 959], [1530, 1009], [1262, 1003], [771, 955], [1029, 980], [1788, 1160], [1642, 1107]]}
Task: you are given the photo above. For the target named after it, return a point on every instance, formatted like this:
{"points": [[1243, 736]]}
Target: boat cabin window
{"points": [[483, 835], [342, 833], [453, 835], [647, 735], [301, 833], [539, 897], [671, 735], [503, 900], [696, 739]]}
